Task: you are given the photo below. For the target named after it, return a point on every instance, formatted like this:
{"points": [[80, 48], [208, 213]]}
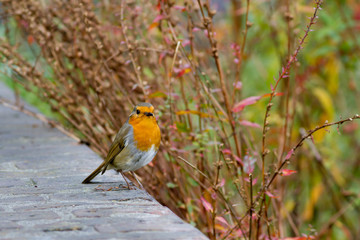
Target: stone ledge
{"points": [[42, 197]]}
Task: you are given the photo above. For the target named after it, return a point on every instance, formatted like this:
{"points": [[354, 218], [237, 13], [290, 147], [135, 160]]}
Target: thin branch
{"points": [[283, 74], [207, 22], [169, 80], [286, 160], [131, 48]]}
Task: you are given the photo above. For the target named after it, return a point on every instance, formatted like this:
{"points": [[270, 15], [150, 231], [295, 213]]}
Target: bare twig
{"points": [[130, 49], [208, 25], [283, 74]]}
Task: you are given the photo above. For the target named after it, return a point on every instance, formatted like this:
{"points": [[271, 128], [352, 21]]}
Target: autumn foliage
{"points": [[245, 94]]}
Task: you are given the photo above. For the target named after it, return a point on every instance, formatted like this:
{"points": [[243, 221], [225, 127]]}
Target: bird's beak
{"points": [[149, 114]]}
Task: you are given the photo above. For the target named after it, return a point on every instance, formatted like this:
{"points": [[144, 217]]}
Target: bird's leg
{"points": [[122, 174], [134, 175]]}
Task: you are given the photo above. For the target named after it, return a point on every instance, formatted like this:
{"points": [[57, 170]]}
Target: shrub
{"points": [[228, 129]]}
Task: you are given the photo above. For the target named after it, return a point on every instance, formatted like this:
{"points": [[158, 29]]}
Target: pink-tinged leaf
{"points": [[249, 124], [161, 57], [175, 96], [167, 40], [270, 194], [238, 233], [158, 18], [173, 127], [226, 151], [247, 101], [24, 23], [182, 8], [287, 172], [186, 42], [238, 160], [238, 85], [254, 181], [221, 183], [221, 220], [289, 154], [206, 32], [206, 204], [213, 195]]}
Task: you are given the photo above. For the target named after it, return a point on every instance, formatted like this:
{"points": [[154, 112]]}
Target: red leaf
{"points": [[153, 25], [206, 204], [158, 18], [249, 124], [183, 71], [30, 39], [226, 151], [222, 220], [289, 154], [270, 194], [182, 8], [254, 181], [161, 57], [156, 21], [287, 172], [247, 101]]}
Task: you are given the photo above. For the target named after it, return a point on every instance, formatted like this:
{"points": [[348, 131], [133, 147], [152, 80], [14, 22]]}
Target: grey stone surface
{"points": [[41, 195]]}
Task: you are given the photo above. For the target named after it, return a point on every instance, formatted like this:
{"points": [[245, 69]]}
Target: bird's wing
{"points": [[117, 145]]}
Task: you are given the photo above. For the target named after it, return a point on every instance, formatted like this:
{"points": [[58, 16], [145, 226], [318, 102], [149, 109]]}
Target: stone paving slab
{"points": [[41, 195]]}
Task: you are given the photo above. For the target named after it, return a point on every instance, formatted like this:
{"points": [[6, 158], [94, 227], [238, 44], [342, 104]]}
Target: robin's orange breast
{"points": [[146, 133]]}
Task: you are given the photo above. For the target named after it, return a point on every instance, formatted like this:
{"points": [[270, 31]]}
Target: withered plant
{"points": [[92, 61]]}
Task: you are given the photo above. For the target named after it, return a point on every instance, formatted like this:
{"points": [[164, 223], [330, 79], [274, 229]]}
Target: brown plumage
{"points": [[135, 145]]}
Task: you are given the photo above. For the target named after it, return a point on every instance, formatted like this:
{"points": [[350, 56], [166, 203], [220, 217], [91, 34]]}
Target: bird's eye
{"points": [[137, 111]]}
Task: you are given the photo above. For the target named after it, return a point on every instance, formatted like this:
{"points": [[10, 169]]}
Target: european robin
{"points": [[135, 145]]}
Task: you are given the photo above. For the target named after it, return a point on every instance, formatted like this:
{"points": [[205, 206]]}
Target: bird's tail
{"points": [[94, 173]]}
